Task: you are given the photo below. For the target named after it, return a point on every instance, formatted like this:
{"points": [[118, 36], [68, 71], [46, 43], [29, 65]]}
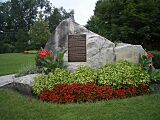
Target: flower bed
{"points": [[112, 75], [90, 93], [114, 81]]}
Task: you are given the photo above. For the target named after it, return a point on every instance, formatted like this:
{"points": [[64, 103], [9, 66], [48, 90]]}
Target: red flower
{"points": [[44, 53], [149, 55], [90, 92]]}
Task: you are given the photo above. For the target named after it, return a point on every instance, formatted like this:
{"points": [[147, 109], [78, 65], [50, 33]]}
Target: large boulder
{"points": [[99, 50]]}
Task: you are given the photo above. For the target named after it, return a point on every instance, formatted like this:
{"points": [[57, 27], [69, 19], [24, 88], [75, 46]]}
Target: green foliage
{"points": [[156, 59], [22, 40], [122, 72], [157, 76], [154, 75], [146, 62], [47, 62], [39, 34], [6, 47], [17, 17], [59, 58], [129, 21], [48, 82], [114, 75], [95, 24], [45, 65], [84, 75], [56, 16]]}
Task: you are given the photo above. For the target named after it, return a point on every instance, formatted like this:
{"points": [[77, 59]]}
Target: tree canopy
{"points": [[129, 21], [18, 17], [39, 33]]}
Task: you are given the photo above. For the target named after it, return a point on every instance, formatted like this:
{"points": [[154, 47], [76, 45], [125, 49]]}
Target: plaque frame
{"points": [[77, 48]]}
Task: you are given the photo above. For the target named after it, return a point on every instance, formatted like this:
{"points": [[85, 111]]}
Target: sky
{"points": [[83, 9]]}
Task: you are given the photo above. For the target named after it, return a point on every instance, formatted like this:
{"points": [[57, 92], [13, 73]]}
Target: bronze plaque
{"points": [[77, 48]]}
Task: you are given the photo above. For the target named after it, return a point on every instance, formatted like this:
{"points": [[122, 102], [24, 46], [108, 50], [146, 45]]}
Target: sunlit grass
{"points": [[12, 62], [14, 106]]}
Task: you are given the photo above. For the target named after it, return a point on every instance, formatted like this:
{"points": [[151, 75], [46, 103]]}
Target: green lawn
{"points": [[14, 106], [13, 62]]}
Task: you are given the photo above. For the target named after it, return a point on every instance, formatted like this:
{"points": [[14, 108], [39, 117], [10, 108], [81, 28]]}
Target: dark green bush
{"points": [[122, 72], [156, 59]]}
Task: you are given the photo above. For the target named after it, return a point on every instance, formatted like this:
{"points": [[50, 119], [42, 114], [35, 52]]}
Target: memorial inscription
{"points": [[77, 48]]}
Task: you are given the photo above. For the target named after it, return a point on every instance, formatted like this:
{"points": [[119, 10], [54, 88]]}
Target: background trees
{"points": [[57, 15], [19, 16], [39, 34], [130, 21]]}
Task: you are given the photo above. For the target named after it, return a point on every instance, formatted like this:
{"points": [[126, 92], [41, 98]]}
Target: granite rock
{"points": [[99, 50]]}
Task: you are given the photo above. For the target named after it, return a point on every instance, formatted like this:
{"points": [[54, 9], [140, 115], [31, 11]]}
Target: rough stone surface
{"points": [[128, 52], [28, 79], [100, 51], [23, 84], [4, 80]]}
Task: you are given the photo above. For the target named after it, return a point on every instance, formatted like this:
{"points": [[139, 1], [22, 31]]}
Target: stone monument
{"points": [[85, 47]]}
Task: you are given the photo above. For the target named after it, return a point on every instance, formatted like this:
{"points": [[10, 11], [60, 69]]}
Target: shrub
{"points": [[114, 75], [155, 75], [156, 59], [48, 82], [122, 72], [90, 93], [84, 75], [146, 62], [46, 62]]}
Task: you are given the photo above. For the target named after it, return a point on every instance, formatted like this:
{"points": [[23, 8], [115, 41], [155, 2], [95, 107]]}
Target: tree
{"points": [[22, 40], [130, 21], [17, 17], [94, 24], [39, 34], [6, 29], [57, 15]]}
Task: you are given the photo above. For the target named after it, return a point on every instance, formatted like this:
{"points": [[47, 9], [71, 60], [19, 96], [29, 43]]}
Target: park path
{"points": [[4, 80]]}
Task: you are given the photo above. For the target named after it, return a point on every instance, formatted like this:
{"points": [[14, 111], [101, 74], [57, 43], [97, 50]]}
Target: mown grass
{"points": [[14, 106], [12, 62]]}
